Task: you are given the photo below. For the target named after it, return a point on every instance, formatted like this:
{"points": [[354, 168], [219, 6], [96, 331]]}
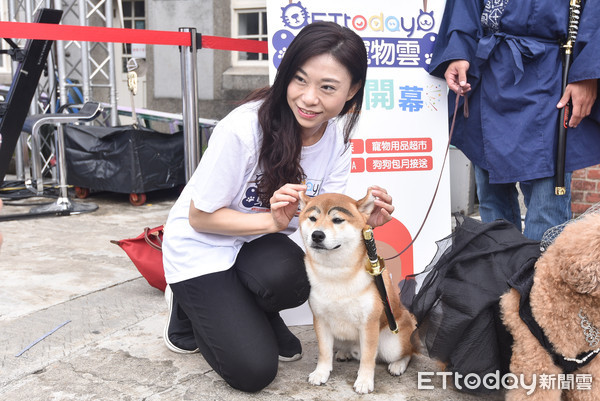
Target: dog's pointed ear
{"points": [[584, 279], [366, 204], [303, 199]]}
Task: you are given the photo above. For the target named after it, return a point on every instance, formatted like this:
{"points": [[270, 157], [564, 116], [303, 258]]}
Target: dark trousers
{"points": [[230, 310]]}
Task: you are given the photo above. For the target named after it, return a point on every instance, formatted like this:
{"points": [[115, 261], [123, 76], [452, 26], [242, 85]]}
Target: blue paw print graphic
{"points": [[427, 43], [251, 198], [281, 41]]}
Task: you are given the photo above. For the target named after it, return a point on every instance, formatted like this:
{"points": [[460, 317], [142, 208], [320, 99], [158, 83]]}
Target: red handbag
{"points": [[145, 251]]}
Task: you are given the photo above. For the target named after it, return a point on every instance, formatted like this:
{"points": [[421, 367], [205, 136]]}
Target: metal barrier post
{"points": [[112, 71], [189, 94]]}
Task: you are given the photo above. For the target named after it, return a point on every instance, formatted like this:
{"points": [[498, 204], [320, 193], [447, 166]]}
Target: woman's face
{"points": [[317, 93]]}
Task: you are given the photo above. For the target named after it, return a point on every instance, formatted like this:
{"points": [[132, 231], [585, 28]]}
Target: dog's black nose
{"points": [[318, 236]]}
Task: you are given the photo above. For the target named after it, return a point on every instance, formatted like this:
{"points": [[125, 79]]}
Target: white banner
{"points": [[402, 136]]}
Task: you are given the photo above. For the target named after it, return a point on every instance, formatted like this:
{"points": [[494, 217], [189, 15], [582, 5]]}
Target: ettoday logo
{"points": [[296, 16], [508, 381], [391, 40]]}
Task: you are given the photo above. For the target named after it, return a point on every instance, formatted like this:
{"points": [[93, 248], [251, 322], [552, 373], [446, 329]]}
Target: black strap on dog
{"points": [[522, 282], [375, 267]]}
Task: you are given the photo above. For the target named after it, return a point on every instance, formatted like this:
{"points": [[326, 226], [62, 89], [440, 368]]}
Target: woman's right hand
{"points": [[226, 221], [456, 76], [284, 204]]}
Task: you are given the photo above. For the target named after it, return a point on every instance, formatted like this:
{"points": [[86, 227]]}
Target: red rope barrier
{"points": [[240, 45], [26, 30]]}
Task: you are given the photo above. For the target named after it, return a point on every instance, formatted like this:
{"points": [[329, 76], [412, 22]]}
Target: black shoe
{"points": [[178, 334], [290, 348]]}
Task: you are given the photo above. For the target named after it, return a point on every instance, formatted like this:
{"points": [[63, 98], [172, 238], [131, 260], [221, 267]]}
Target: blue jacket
{"points": [[515, 77]]}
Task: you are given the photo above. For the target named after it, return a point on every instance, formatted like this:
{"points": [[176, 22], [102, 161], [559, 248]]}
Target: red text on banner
{"points": [[389, 164], [358, 165], [399, 145], [358, 146]]}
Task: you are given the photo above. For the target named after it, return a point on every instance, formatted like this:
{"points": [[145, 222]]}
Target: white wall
{"points": [[170, 15]]}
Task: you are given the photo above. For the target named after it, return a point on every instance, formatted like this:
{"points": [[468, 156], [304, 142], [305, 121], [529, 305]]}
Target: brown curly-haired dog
{"points": [[566, 285]]}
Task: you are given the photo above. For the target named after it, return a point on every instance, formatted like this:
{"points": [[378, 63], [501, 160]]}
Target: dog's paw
{"points": [[398, 367], [364, 386], [318, 377]]}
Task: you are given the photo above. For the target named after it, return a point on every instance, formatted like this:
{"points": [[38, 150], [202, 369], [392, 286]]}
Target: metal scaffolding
{"points": [[77, 71]]}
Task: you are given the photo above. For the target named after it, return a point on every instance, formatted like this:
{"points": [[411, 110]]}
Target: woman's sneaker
{"points": [[178, 334], [290, 348]]}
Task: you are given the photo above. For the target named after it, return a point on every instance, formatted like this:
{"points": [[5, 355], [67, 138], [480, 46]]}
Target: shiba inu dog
{"points": [[348, 312]]}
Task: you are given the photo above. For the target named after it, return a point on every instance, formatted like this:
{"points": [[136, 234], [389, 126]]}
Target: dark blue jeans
{"points": [[544, 208], [230, 310]]}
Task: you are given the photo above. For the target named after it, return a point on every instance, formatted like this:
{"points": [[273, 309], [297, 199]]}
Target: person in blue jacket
{"points": [[505, 56]]}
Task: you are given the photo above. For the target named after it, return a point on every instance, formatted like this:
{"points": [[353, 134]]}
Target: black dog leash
{"points": [[437, 186], [375, 267], [376, 264]]}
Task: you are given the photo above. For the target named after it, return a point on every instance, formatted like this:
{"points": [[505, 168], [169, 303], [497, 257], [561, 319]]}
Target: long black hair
{"points": [[282, 143]]}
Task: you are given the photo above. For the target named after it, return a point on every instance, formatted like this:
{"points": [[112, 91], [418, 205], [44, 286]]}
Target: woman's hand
{"points": [[382, 213], [284, 204], [582, 95], [456, 76], [225, 221]]}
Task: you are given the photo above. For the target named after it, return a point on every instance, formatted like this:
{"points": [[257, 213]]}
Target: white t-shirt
{"points": [[230, 163]]}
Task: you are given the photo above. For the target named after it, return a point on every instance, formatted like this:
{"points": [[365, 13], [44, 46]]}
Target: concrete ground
{"points": [[63, 274]]}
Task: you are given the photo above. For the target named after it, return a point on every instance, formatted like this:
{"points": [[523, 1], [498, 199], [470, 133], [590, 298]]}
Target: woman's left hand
{"points": [[382, 213]]}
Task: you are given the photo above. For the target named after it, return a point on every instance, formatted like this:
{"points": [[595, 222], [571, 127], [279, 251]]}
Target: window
{"points": [[134, 17], [249, 22]]}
